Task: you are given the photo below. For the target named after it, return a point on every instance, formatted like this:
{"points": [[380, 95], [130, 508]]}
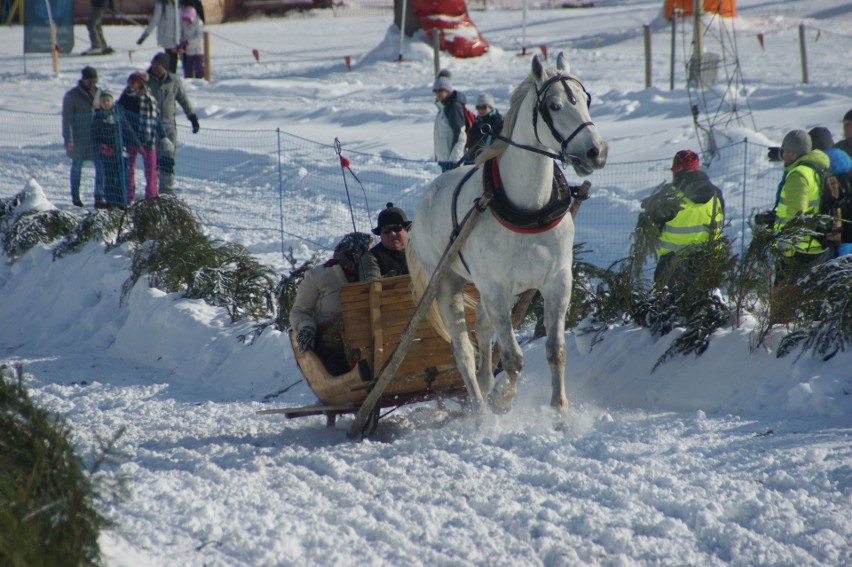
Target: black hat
{"points": [[392, 216], [821, 138], [848, 116], [161, 59], [89, 73]]}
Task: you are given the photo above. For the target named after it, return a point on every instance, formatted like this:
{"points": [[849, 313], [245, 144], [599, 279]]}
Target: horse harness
{"points": [[510, 216]]}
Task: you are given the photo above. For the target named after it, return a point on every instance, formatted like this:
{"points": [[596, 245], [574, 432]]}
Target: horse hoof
{"points": [[499, 405]]}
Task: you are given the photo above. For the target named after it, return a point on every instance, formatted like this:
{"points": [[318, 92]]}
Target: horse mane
{"points": [[509, 119]]}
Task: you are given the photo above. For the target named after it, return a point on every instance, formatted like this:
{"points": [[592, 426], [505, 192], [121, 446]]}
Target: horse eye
{"points": [[554, 106]]}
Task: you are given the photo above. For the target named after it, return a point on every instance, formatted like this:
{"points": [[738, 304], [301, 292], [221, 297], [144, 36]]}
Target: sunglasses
{"points": [[481, 106], [392, 228]]}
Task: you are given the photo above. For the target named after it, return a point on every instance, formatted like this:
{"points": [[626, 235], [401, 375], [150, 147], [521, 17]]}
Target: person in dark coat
{"points": [[846, 143], [77, 107], [108, 128], [387, 258], [688, 211], [449, 133], [488, 119]]}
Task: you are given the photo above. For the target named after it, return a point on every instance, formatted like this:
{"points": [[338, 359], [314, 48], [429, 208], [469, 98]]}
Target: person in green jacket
{"points": [[799, 194]]}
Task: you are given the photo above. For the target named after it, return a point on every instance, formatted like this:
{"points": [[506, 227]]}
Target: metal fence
{"points": [[272, 191]]}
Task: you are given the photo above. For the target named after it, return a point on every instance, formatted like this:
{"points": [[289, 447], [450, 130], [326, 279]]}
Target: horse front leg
{"points": [[497, 308], [451, 307], [555, 308], [484, 334]]}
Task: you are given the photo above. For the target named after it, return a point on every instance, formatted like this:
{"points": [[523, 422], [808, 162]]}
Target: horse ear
{"points": [[562, 63], [537, 68]]}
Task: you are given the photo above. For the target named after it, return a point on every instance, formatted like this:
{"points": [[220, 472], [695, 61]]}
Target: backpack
{"points": [[469, 117]]}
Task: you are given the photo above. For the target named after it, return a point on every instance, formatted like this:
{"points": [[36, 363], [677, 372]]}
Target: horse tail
{"points": [[419, 281]]}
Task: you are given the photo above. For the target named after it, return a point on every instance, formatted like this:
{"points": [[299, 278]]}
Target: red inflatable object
{"points": [[459, 36]]}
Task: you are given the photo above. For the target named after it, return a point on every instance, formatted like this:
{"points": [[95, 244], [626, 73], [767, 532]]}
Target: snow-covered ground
{"points": [[736, 457]]}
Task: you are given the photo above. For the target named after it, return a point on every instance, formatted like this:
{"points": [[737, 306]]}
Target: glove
{"points": [[142, 38], [105, 150], [305, 338], [774, 154], [194, 120], [766, 218]]}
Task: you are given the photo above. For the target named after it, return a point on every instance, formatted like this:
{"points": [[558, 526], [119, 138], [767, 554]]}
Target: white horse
{"points": [[524, 241]]}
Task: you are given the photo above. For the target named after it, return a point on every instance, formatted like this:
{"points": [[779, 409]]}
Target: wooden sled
{"points": [[375, 314]]}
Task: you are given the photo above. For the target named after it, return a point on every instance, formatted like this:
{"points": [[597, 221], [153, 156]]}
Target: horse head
{"points": [[562, 106]]}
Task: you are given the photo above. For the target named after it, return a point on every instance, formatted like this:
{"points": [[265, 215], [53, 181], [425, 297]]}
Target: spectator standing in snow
{"points": [[199, 8], [78, 104], [167, 89], [449, 132], [110, 169], [387, 258], [96, 30], [840, 166], [144, 130], [317, 315], [166, 20], [688, 211], [846, 143], [487, 124], [192, 43]]}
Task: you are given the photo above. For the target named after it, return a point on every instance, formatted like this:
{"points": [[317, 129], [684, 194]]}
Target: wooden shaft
{"points": [[803, 51], [423, 306]]}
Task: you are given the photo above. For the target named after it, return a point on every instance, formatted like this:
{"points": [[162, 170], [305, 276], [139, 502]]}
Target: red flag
{"points": [[256, 54], [344, 162], [760, 40], [543, 51], [348, 61]]}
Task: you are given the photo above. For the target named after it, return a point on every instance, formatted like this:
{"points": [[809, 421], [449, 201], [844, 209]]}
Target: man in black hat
{"points": [[387, 258], [167, 89], [78, 107]]}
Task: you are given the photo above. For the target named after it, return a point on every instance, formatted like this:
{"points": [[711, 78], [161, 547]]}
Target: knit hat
{"points": [[105, 94], [485, 99], [797, 142], [685, 160], [89, 73], [821, 138], [443, 82], [188, 13], [391, 216], [353, 245], [139, 75], [848, 116], [161, 59]]}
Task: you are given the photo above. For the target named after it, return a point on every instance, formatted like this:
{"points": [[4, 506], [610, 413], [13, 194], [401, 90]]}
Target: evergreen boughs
{"points": [[285, 291], [34, 227], [47, 515], [100, 224]]}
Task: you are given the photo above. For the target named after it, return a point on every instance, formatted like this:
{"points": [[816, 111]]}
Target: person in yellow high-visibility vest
{"points": [[689, 211], [798, 195]]}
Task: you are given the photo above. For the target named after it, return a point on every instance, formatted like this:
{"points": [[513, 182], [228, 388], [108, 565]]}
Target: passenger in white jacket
{"points": [[166, 19]]}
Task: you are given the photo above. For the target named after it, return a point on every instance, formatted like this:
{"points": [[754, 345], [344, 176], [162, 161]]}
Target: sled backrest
{"points": [[375, 314]]}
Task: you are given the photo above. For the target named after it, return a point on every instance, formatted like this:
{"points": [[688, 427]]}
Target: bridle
{"points": [[541, 108]]}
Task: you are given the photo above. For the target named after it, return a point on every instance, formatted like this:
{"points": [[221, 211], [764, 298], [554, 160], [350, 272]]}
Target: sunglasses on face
{"points": [[481, 107], [392, 228]]}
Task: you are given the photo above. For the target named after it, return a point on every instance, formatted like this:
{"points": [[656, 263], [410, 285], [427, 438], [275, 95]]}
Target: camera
{"points": [[774, 154], [766, 218]]}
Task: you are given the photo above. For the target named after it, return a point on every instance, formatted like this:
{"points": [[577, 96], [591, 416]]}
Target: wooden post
{"points": [[423, 306], [672, 64], [803, 51], [207, 56], [436, 49], [54, 50], [646, 29]]}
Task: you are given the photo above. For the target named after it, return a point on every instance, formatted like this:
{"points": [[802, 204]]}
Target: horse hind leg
{"points": [[451, 307], [484, 334], [511, 356]]}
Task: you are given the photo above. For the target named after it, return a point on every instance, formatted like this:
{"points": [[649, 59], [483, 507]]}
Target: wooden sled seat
{"points": [[375, 314]]}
